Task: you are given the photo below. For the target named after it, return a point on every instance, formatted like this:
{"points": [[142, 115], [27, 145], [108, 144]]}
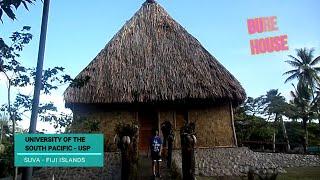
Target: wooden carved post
{"points": [[168, 138], [125, 162], [127, 143], [188, 141], [170, 147]]}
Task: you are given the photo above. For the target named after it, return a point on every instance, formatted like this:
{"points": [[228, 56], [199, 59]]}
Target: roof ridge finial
{"points": [[150, 1]]}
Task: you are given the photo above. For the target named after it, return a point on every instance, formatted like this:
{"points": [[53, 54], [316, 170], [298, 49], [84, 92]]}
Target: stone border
{"points": [[238, 161]]}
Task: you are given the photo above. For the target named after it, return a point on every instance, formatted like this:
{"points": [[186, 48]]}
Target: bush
{"points": [[6, 161]]}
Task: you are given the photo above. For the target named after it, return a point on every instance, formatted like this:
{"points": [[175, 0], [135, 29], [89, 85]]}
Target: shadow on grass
{"points": [[300, 173]]}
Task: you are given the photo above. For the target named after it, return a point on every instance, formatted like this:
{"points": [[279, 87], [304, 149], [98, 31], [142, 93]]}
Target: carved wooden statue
{"points": [[188, 142], [127, 143], [168, 137]]}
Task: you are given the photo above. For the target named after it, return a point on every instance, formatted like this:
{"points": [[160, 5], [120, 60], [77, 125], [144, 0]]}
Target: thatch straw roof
{"points": [[154, 59]]}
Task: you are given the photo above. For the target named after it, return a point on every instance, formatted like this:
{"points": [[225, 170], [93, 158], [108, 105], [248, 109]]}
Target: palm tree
{"points": [[305, 107], [277, 105], [305, 70]]}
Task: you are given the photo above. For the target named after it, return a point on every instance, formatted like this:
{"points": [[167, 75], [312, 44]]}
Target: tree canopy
{"points": [[8, 7]]}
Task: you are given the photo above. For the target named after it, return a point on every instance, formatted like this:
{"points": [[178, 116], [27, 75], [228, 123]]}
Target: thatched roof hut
{"points": [[151, 60]]}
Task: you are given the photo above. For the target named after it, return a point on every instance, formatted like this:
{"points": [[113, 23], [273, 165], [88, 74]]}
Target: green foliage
{"points": [[257, 129], [251, 128], [294, 131], [6, 161], [254, 106], [264, 133], [83, 125], [275, 103], [4, 127], [92, 126], [305, 70], [250, 118], [303, 103], [295, 134], [20, 76], [9, 54], [60, 120], [7, 6], [78, 82], [314, 131]]}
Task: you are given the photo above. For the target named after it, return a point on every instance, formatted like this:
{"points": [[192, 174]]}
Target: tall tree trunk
{"points": [[319, 126], [305, 138], [1, 135], [274, 141], [285, 135], [274, 133]]}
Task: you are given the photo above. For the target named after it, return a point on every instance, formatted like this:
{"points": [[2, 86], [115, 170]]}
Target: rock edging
{"points": [[238, 161]]}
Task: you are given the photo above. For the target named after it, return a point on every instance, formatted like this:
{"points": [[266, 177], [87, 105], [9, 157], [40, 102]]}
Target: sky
{"points": [[78, 30]]}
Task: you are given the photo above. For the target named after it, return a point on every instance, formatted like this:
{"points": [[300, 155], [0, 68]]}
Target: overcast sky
{"points": [[78, 30]]}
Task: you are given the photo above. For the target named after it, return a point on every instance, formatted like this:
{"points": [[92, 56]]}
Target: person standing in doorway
{"points": [[156, 148]]}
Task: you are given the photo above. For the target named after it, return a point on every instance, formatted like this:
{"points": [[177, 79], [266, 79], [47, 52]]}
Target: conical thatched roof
{"points": [[154, 59]]}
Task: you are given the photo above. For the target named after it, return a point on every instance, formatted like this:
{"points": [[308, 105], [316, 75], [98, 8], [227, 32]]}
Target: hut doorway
{"points": [[148, 121]]}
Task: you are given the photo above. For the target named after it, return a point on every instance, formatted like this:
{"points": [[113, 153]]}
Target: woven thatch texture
{"points": [[213, 126], [151, 59]]}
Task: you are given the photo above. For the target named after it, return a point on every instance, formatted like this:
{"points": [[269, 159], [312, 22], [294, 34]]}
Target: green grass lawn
{"points": [[301, 173]]}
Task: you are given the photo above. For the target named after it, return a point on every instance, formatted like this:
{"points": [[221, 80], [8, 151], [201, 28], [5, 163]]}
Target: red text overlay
{"points": [[266, 44]]}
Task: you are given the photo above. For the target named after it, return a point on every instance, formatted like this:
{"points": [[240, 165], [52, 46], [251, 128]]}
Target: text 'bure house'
{"points": [[153, 71]]}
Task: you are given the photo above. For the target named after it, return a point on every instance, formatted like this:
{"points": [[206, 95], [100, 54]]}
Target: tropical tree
{"points": [[305, 108], [7, 7], [250, 127], [254, 106], [19, 76], [306, 71], [307, 91], [276, 105]]}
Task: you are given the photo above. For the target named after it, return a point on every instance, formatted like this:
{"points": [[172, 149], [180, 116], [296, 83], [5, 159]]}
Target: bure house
{"points": [[153, 71]]}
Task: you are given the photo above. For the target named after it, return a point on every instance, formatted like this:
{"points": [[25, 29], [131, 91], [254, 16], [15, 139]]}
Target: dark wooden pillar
{"points": [[188, 141], [128, 145]]}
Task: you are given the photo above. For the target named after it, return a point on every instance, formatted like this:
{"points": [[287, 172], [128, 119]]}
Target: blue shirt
{"points": [[155, 144]]}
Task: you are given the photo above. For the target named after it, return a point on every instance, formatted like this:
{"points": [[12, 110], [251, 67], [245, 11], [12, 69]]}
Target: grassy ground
{"points": [[301, 173]]}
